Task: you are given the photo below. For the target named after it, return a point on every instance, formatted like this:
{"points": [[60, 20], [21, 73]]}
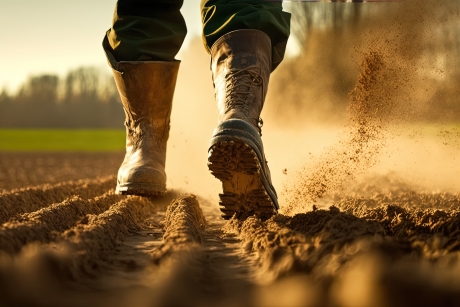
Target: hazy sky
{"points": [[38, 36], [54, 36]]}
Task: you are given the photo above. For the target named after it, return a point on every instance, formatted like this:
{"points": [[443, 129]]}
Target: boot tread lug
{"points": [[227, 157]]}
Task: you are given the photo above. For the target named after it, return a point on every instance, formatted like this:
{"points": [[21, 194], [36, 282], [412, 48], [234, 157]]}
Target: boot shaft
{"points": [[146, 90], [241, 66]]}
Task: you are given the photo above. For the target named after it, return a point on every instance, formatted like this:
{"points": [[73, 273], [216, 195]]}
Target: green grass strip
{"points": [[89, 140]]}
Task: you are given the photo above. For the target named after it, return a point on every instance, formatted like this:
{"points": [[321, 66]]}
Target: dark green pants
{"points": [[154, 30]]}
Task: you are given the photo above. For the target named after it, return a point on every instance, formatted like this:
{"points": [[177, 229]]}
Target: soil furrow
{"points": [[184, 227], [93, 240], [230, 269], [131, 261], [302, 243], [204, 262], [34, 198], [39, 226], [184, 222]]}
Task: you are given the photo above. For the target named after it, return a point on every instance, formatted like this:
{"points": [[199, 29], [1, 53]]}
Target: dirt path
{"points": [[78, 244], [186, 246], [82, 237]]}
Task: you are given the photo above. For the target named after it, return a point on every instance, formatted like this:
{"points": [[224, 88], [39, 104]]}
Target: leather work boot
{"points": [[146, 90], [241, 66]]}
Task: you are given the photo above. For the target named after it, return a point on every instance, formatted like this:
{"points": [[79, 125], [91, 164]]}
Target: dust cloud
{"points": [[370, 210], [400, 75], [193, 119], [312, 127]]}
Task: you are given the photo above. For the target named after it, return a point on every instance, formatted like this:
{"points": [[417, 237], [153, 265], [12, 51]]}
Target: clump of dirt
{"points": [[450, 137]]}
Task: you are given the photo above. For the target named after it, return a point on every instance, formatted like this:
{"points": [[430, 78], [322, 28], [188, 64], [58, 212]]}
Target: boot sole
{"points": [[140, 189], [236, 164]]}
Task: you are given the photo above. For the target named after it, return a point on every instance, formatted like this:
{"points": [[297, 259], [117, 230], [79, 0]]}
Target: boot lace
{"points": [[238, 92]]}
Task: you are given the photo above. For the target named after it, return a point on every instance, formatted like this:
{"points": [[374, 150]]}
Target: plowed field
{"points": [[343, 236], [75, 243]]}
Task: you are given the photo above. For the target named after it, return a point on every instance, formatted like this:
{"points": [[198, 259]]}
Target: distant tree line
{"points": [[320, 78], [84, 98]]}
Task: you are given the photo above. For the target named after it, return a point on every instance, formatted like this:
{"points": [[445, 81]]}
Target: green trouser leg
{"points": [[222, 16], [145, 30], [153, 30]]}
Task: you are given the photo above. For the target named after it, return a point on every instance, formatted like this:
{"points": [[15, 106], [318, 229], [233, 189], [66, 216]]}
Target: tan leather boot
{"points": [[146, 90], [241, 66]]}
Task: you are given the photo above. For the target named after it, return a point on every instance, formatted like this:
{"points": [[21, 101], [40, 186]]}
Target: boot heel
{"points": [[236, 164]]}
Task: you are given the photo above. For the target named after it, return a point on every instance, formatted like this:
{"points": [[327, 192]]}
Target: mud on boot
{"points": [[241, 66], [236, 158], [146, 90]]}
